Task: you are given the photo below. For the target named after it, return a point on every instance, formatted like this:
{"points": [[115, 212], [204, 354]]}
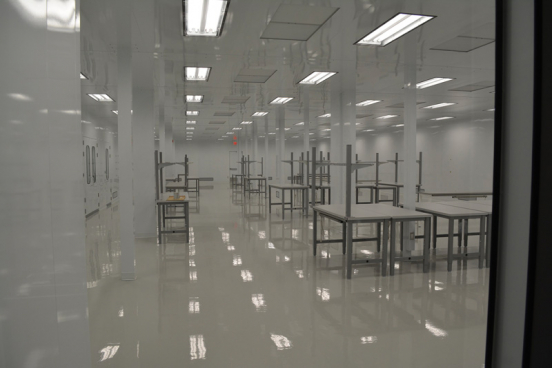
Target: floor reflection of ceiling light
{"points": [[108, 352], [237, 261], [197, 347], [435, 330], [259, 302], [193, 306], [193, 275], [246, 276], [281, 342], [368, 339], [300, 273], [231, 248], [323, 293]]}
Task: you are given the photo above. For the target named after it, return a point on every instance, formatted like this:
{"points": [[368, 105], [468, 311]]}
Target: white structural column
{"points": [[343, 100], [43, 294], [281, 143], [143, 145], [409, 136], [306, 119], [124, 104]]}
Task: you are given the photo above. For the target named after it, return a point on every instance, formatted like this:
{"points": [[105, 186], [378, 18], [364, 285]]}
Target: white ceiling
{"points": [[240, 52]]}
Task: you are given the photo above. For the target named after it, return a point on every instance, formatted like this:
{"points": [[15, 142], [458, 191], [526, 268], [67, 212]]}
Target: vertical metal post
{"points": [[377, 173], [157, 174], [348, 174], [248, 167], [356, 171], [186, 171], [313, 188], [328, 158], [396, 167], [292, 180], [420, 170], [262, 167], [161, 171]]}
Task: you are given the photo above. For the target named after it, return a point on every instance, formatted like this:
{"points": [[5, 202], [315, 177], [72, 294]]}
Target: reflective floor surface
{"points": [[247, 292]]}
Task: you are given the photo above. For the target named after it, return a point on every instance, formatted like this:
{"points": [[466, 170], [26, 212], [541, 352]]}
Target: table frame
{"points": [[162, 217], [291, 188]]}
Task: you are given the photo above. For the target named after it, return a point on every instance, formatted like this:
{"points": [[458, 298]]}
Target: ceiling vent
{"points": [[254, 75], [469, 41], [224, 113], [217, 122], [297, 22]]}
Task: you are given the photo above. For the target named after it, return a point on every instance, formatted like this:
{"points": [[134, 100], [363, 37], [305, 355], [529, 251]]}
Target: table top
{"points": [[288, 186], [201, 179], [441, 209], [358, 212], [471, 205], [254, 178], [393, 184], [171, 200], [395, 212]]}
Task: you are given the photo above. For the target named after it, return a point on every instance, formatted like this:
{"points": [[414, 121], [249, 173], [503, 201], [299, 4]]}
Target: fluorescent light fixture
{"points": [[368, 102], [316, 77], [439, 105], [261, 136], [100, 97], [204, 17], [190, 122], [188, 139], [190, 128], [194, 98], [387, 116], [443, 118], [272, 133], [236, 128], [220, 139], [491, 110], [82, 76], [326, 130], [231, 133], [192, 113], [368, 130], [328, 115], [281, 100], [287, 128], [189, 133], [432, 82], [224, 136], [199, 74], [116, 112], [301, 123], [397, 125], [246, 122], [394, 28], [260, 113], [311, 133]]}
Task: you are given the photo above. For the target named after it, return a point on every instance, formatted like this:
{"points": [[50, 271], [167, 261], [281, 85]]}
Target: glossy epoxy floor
{"points": [[246, 292]]}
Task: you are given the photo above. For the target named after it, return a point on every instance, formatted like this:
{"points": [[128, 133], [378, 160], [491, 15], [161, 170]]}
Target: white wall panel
{"points": [[43, 297]]}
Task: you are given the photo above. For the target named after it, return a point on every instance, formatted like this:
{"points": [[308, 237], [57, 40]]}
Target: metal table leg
{"points": [[349, 236], [187, 220], [384, 247], [314, 231], [392, 248], [450, 239], [284, 202], [344, 231], [434, 232], [159, 223], [269, 199], [481, 240], [427, 245], [460, 233]]}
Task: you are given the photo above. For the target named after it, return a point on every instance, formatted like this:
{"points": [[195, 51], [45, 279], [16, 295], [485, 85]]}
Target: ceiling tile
{"points": [[463, 44], [286, 31], [303, 14], [473, 87]]}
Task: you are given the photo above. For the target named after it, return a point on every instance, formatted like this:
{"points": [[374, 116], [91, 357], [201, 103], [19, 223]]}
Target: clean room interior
{"points": [[211, 235]]}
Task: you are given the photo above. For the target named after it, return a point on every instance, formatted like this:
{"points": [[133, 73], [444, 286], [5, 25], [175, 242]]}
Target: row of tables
{"points": [[388, 217]]}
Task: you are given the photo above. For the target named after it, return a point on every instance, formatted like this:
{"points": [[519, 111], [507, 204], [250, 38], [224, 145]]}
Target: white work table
{"points": [[162, 217], [372, 213], [291, 188]]}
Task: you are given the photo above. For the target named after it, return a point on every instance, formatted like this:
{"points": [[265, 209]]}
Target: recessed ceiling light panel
{"points": [[443, 118], [368, 102], [387, 117], [193, 73], [439, 105], [192, 113], [100, 97], [204, 17], [316, 77], [432, 82], [394, 28], [190, 122], [281, 100], [260, 113], [328, 115], [246, 122], [194, 98]]}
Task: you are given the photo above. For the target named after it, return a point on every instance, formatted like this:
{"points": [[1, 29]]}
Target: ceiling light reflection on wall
{"points": [[260, 113], [204, 17], [394, 28], [281, 100], [194, 98], [368, 102], [301, 123], [328, 115], [432, 82], [193, 73], [439, 105], [316, 77]]}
